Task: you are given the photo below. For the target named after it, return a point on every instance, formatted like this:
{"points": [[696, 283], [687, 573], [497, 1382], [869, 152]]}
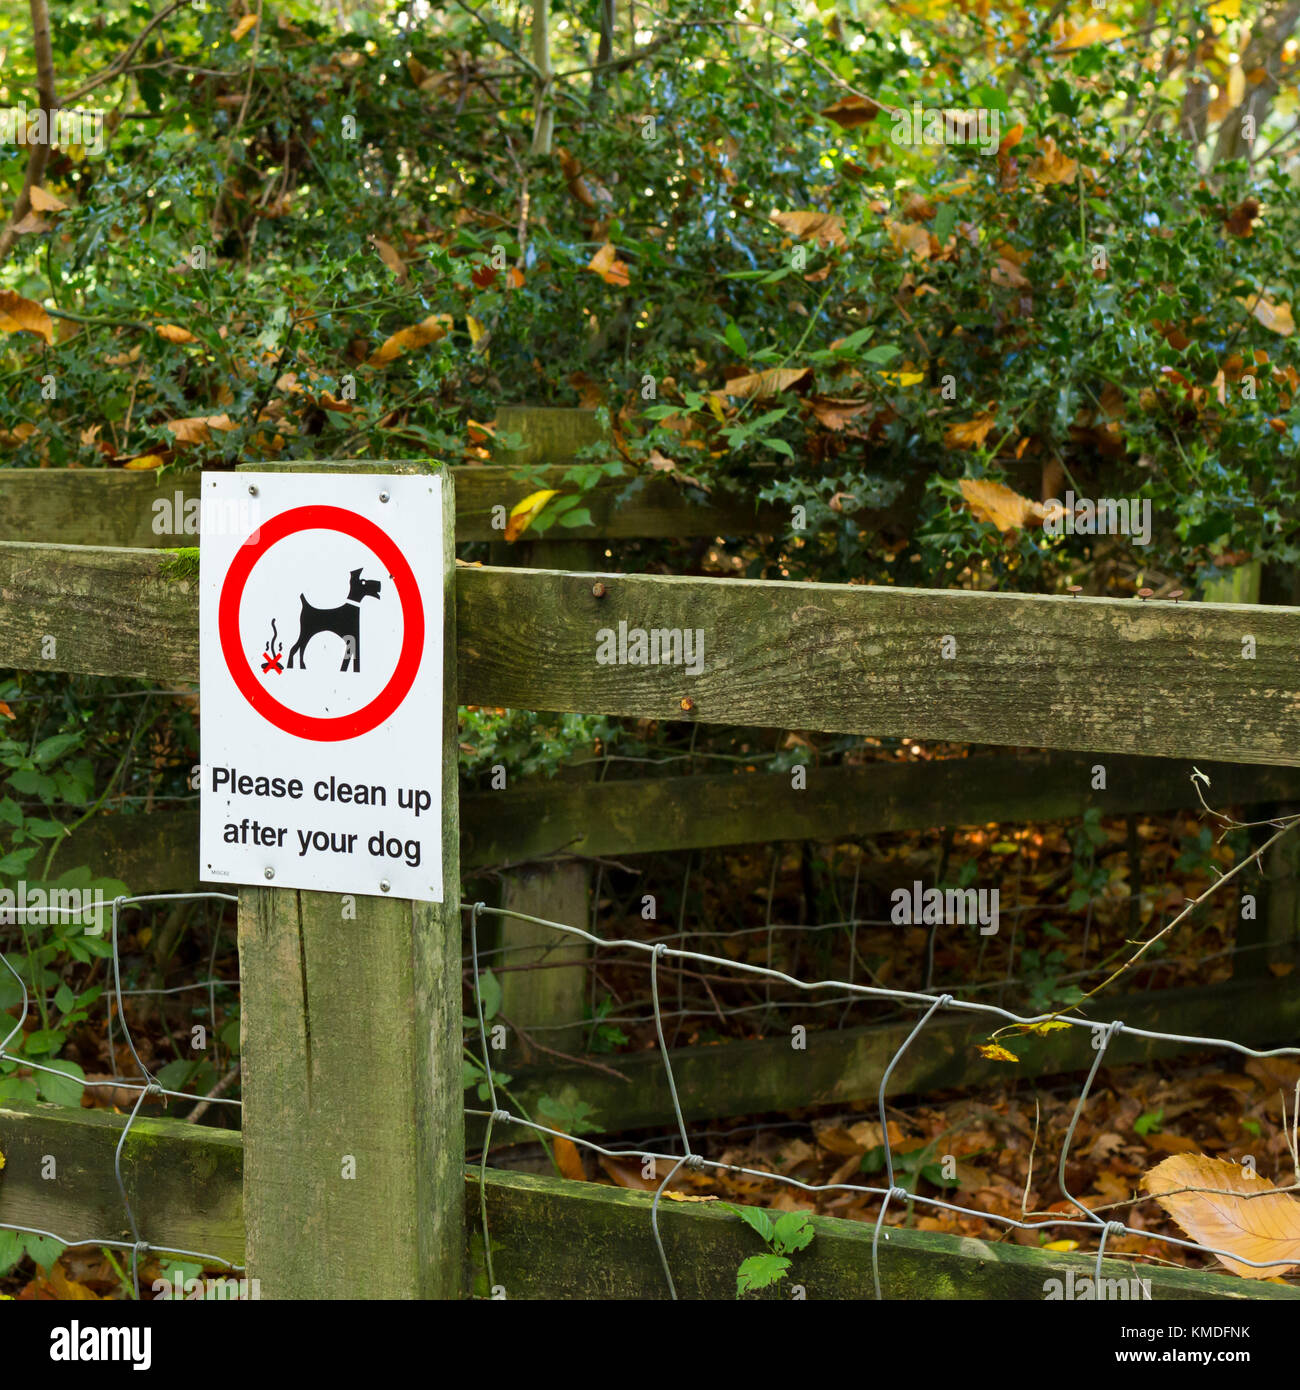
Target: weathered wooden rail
{"points": [[550, 1238], [1116, 678]]}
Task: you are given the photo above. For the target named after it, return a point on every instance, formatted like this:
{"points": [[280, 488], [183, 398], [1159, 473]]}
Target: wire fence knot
{"points": [[503, 1115]]}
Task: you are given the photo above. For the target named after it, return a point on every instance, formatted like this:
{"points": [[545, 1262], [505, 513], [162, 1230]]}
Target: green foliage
{"points": [[790, 1232]]}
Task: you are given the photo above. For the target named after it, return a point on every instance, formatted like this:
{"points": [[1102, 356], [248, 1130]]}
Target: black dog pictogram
{"points": [[345, 620]]}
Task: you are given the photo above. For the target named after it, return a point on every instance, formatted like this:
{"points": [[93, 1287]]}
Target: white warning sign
{"points": [[320, 656]]}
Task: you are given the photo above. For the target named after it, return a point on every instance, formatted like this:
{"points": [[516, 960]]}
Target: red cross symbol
{"points": [[271, 662]]}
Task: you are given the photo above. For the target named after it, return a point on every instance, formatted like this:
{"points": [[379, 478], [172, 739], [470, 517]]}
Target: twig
{"points": [[220, 1088]]}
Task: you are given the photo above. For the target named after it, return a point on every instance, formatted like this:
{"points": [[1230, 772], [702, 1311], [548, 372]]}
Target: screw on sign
{"points": [[321, 662]]}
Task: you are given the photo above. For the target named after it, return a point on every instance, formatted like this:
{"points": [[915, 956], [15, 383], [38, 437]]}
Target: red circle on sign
{"points": [[317, 728]]}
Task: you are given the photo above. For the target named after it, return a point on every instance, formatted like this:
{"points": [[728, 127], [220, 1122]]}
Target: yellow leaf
{"points": [[476, 330], [173, 333], [197, 429], [1275, 317], [1236, 86], [407, 339], [1000, 506], [144, 462], [1232, 1210], [690, 1197], [757, 384], [909, 236], [1061, 1246], [1096, 31], [969, 434], [607, 265], [996, 1053], [46, 202], [248, 22], [523, 514], [902, 378], [1052, 166], [1051, 1025], [19, 315], [824, 227]]}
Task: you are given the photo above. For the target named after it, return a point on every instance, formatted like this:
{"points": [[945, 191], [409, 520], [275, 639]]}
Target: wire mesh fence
{"points": [[1084, 1221], [665, 963], [145, 1084]]}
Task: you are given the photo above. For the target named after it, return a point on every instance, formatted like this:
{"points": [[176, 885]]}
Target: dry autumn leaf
{"points": [[174, 333], [1052, 166], [1230, 1209], [408, 339], [46, 202], [144, 462], [852, 111], [568, 1159], [388, 254], [248, 22], [995, 1052], [198, 429], [1275, 317], [523, 514], [753, 385], [33, 222], [1096, 31], [19, 315], [607, 265], [909, 236], [1000, 506], [826, 228], [970, 434]]}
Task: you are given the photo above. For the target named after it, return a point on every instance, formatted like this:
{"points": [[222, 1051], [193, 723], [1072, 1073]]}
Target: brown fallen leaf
{"points": [[174, 333], [1052, 166], [826, 228], [248, 22], [418, 335], [1275, 317], [198, 429], [42, 201], [1232, 1211], [909, 237], [756, 384], [607, 265], [568, 1159], [33, 222], [970, 434], [19, 315], [995, 1052], [853, 111], [628, 1174], [388, 254]]}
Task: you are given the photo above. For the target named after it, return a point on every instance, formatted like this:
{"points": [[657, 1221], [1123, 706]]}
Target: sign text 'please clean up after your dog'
{"points": [[321, 671]]}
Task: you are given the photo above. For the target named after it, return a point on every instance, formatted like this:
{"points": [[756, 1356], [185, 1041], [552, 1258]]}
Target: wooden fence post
{"points": [[1269, 936], [553, 993], [351, 1047]]}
